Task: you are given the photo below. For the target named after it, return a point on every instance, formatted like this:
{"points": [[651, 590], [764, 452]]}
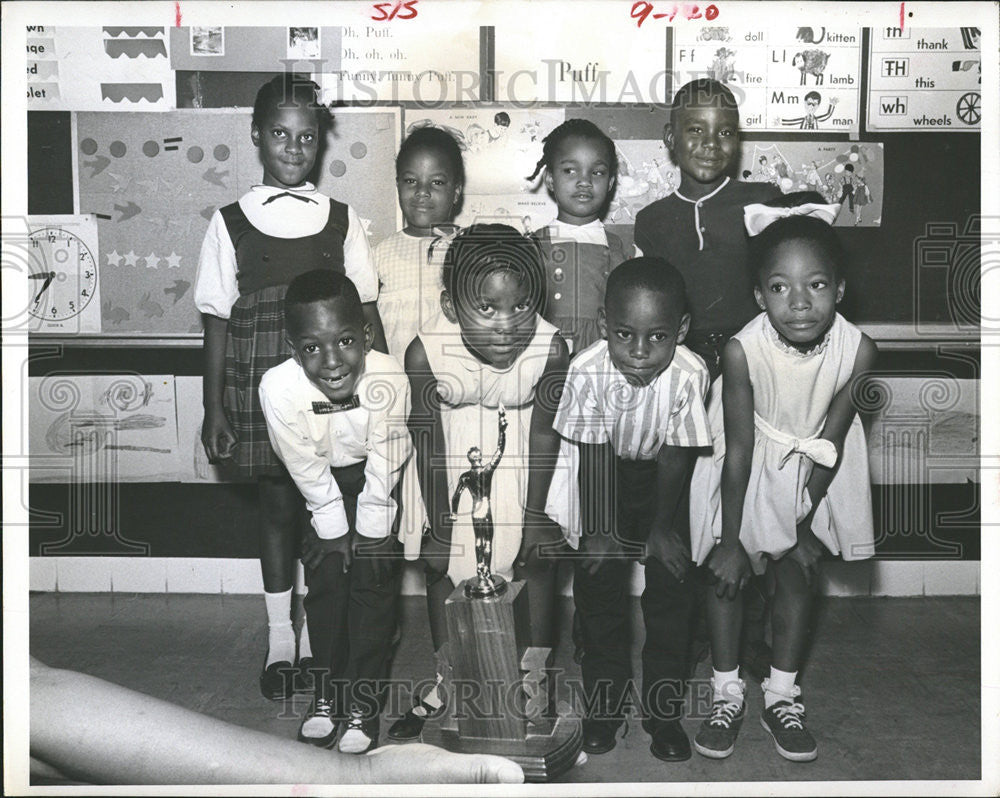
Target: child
{"points": [[580, 165], [635, 402], [252, 249], [336, 416], [429, 180], [699, 228], [792, 468], [489, 349]]}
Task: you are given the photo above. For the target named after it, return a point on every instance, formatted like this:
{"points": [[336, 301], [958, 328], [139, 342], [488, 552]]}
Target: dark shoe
{"points": [[320, 719], [304, 680], [599, 735], [786, 723], [276, 680], [716, 738], [410, 725], [360, 735], [670, 742]]}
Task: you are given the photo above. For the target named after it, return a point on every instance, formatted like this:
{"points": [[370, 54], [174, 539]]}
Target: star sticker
{"points": [[152, 260], [173, 260], [114, 259], [131, 258]]}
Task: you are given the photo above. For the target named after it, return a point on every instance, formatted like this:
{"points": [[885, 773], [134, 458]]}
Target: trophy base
{"points": [[474, 588], [542, 757]]}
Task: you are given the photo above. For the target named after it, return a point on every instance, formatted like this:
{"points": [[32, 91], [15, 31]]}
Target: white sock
{"points": [[280, 634], [727, 686], [432, 698], [305, 649], [780, 686]]}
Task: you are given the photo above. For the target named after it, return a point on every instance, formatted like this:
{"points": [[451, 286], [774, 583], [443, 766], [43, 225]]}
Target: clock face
{"points": [[63, 276]]}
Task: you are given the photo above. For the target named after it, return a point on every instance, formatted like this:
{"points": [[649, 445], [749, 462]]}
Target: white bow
{"points": [[819, 450], [757, 216]]}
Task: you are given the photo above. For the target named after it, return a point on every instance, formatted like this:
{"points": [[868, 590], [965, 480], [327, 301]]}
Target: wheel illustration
{"points": [[967, 108]]}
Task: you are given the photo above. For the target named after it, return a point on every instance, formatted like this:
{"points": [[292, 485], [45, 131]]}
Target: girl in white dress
{"points": [[789, 476], [490, 349], [429, 180]]}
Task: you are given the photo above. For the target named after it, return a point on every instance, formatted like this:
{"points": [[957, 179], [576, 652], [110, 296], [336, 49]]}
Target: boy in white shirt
{"points": [[336, 416]]}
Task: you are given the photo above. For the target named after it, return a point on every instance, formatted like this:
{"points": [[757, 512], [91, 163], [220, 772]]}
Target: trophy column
{"points": [[497, 687]]}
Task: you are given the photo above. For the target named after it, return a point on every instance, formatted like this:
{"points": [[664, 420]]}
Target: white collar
{"points": [[722, 185]]}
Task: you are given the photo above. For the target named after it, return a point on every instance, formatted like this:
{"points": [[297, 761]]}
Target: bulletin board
{"points": [[158, 132], [154, 180]]}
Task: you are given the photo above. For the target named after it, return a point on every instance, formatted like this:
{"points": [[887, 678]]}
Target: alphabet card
{"points": [[786, 79], [925, 80]]}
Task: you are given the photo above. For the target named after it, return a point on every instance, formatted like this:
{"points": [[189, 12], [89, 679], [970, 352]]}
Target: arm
{"points": [[372, 317], [215, 292], [666, 541], [829, 111], [359, 266], [389, 448], [501, 441], [312, 476], [599, 540], [543, 448], [119, 736], [428, 445], [728, 561], [838, 421], [217, 434], [457, 495]]}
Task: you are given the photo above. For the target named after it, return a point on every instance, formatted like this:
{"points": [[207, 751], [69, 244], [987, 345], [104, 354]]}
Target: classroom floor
{"points": [[892, 685]]}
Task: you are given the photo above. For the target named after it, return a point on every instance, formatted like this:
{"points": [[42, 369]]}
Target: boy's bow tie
{"points": [[302, 197], [322, 408]]}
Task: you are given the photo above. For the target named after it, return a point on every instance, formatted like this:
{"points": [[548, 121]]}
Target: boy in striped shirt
{"points": [[634, 402]]}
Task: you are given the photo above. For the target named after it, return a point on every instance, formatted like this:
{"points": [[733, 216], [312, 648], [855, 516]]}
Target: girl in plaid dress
{"points": [[252, 250]]}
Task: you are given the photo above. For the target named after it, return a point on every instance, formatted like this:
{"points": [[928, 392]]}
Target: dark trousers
{"points": [[352, 618], [603, 607]]}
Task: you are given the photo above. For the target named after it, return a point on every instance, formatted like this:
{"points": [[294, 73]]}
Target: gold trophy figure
{"points": [[478, 480]]}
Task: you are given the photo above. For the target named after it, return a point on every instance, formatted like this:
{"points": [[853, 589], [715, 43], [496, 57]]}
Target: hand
{"points": [[807, 551], [315, 549], [834, 100], [217, 436], [381, 554], [730, 566], [427, 764], [538, 537], [669, 549], [598, 548]]}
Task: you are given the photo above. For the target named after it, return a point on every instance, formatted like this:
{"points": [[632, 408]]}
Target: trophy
{"points": [[478, 480], [497, 684]]}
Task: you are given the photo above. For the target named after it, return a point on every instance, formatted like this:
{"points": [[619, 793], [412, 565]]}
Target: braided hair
{"points": [[482, 249], [578, 128]]}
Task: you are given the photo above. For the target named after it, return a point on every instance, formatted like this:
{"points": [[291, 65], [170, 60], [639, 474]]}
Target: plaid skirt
{"points": [[255, 342]]}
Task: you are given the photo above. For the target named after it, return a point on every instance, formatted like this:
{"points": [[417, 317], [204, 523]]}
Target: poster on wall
{"points": [[500, 149], [786, 78], [102, 428], [844, 172], [111, 68], [586, 52], [925, 79], [154, 189]]}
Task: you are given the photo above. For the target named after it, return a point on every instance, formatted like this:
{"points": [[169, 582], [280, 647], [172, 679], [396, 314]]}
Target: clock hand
{"points": [[48, 281], [39, 276]]}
